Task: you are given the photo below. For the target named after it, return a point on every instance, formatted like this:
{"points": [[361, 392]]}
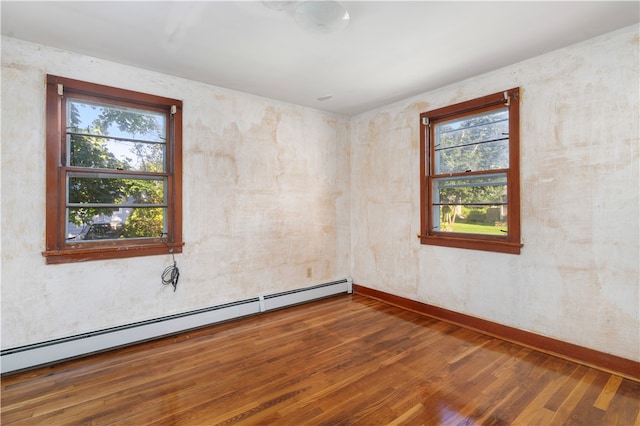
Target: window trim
{"points": [[57, 248], [502, 244]]}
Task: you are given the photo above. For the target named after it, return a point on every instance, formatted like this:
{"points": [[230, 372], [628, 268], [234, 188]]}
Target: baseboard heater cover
{"points": [[293, 297], [56, 350]]}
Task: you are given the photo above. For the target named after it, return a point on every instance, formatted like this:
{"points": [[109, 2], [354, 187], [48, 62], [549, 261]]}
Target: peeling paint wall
{"points": [[266, 196], [577, 278]]}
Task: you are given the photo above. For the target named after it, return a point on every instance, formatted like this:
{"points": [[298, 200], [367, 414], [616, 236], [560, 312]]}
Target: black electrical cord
{"points": [[171, 273]]}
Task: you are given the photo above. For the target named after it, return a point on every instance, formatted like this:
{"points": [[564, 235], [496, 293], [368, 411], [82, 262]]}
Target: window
{"points": [[470, 183], [114, 173]]}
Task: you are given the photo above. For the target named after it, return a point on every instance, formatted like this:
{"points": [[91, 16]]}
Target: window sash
{"points": [[497, 180], [166, 178]]}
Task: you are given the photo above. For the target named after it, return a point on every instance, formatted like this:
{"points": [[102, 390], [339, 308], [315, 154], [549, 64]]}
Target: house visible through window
{"points": [[114, 167], [470, 174]]}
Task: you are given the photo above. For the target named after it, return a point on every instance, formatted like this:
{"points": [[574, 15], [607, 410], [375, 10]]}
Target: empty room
{"points": [[320, 213]]}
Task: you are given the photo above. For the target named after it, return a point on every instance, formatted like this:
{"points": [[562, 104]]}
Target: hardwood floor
{"points": [[339, 361]]}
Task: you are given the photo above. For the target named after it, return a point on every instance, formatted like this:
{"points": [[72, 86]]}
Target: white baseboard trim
{"points": [[51, 351]]}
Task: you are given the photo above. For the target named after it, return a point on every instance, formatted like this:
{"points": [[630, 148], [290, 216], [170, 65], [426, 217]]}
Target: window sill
{"points": [[473, 244], [73, 255]]}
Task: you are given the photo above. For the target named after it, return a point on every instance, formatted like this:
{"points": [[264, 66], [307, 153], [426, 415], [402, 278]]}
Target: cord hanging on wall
{"points": [[171, 273]]}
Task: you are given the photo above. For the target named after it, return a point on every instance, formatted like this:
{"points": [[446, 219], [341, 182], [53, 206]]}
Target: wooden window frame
{"points": [[58, 248], [509, 243]]}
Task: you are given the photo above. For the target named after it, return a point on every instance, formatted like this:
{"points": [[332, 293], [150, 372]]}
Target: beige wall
{"points": [[577, 278], [266, 196], [271, 189]]}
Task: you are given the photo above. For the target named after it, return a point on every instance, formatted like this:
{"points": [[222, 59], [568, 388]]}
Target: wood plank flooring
{"points": [[346, 360]]}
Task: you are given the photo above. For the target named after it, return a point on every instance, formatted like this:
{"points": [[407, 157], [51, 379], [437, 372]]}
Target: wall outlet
{"points": [[309, 272]]}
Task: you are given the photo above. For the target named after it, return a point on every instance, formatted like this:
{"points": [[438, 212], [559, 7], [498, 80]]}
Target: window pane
{"points": [[470, 219], [487, 156], [128, 123], [483, 189], [106, 153], [91, 224], [476, 205], [474, 143], [115, 191]]}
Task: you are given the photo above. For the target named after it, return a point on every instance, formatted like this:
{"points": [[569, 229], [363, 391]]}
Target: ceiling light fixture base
{"points": [[324, 17]]}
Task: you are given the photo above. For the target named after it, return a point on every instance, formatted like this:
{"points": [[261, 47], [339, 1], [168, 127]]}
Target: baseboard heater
{"points": [[51, 351]]}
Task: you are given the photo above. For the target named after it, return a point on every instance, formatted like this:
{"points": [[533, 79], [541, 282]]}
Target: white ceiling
{"points": [[390, 50]]}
